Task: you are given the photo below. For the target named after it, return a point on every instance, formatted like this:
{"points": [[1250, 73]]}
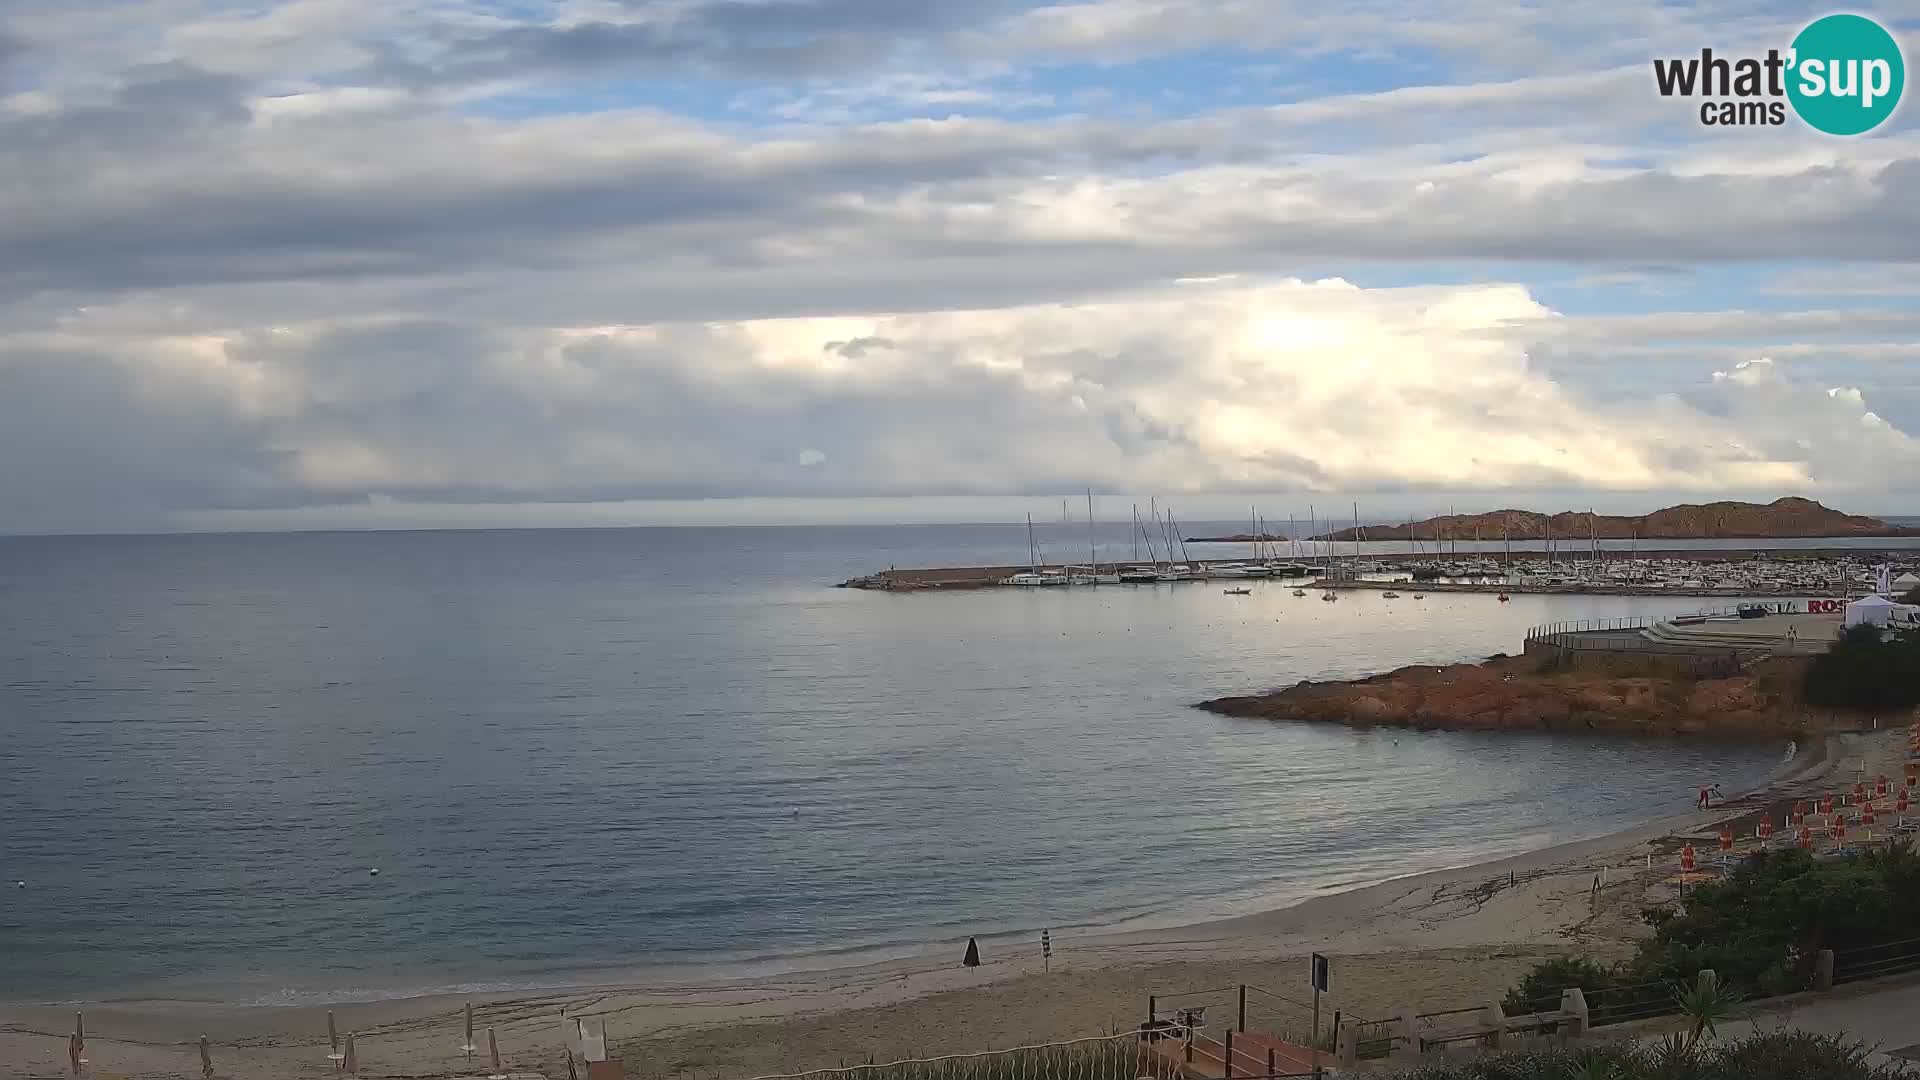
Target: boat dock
{"points": [[983, 577], [1585, 588]]}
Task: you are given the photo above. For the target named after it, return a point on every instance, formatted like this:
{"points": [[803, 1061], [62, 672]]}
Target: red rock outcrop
{"points": [[1512, 694]]}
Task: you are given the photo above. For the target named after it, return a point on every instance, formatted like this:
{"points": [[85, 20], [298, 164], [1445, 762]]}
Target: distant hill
{"points": [[1789, 517]]}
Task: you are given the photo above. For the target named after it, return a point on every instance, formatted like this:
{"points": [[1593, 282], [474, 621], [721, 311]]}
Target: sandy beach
{"points": [[1435, 940]]}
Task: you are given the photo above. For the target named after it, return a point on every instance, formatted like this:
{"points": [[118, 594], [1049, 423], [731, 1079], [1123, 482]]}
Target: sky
{"points": [[410, 263]]}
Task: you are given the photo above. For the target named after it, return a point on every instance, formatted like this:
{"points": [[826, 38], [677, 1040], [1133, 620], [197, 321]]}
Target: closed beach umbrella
{"points": [[972, 959], [333, 1043], [206, 1059], [468, 1046], [352, 1061], [493, 1052], [77, 1044]]}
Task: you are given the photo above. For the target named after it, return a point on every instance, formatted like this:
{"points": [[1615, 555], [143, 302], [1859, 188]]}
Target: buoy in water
{"points": [[375, 872]]}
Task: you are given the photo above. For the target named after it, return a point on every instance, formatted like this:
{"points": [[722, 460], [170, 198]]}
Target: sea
{"points": [[296, 768]]}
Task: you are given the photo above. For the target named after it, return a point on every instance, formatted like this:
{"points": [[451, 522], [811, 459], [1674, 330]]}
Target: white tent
{"points": [[1905, 582], [1876, 609]]}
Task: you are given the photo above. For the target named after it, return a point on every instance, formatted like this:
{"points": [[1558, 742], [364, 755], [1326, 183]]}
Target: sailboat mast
{"points": [[1033, 549], [1136, 532], [1093, 557], [1356, 541]]}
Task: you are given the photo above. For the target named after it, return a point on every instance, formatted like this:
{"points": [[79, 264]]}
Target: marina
{"points": [[1711, 574], [1156, 553]]}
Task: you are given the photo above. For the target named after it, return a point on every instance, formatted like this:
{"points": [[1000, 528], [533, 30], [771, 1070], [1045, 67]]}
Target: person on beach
{"points": [[1708, 793]]}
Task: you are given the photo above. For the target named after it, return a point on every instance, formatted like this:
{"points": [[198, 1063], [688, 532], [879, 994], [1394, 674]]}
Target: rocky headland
{"points": [[1791, 517], [1514, 694]]}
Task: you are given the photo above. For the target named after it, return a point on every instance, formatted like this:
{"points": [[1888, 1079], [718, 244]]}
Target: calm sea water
{"points": [[577, 755]]}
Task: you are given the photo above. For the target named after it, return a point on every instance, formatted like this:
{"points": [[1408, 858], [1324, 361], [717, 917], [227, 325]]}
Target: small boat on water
{"points": [[1241, 591], [1419, 596], [1299, 592], [1390, 595], [1503, 598], [1329, 596]]}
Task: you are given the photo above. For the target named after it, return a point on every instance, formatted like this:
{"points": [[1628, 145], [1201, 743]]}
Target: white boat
{"points": [[1241, 591], [1034, 576], [1031, 579], [1134, 575]]}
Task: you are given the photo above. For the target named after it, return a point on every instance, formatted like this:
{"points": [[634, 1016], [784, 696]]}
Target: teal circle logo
{"points": [[1847, 74]]}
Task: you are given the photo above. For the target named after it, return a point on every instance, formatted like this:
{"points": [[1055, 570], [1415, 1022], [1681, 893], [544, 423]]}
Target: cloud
{"points": [[314, 253], [1203, 387]]}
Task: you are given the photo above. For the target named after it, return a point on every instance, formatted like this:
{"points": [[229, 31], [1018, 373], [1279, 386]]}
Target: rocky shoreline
{"points": [[1513, 694]]}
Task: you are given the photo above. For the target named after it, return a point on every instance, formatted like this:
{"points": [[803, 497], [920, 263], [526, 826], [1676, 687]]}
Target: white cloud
{"points": [[1199, 387], [317, 252]]}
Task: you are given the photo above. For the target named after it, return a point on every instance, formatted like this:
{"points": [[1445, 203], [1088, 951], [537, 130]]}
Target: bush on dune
{"points": [[1784, 1056], [1867, 668]]}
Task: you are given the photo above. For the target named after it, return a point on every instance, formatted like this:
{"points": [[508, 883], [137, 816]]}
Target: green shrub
{"points": [[1759, 929], [1540, 990], [1787, 1056], [1866, 669]]}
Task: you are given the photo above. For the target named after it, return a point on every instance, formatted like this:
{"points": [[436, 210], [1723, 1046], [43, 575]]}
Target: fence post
{"points": [[1823, 970], [1151, 1011], [1226, 1055], [1243, 1007], [1409, 1048], [1573, 1002], [1272, 1069], [1346, 1045], [1494, 1018]]}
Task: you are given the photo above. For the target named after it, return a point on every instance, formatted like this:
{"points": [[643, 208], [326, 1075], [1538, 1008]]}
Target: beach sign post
{"points": [[1321, 971], [1046, 951], [467, 1046]]}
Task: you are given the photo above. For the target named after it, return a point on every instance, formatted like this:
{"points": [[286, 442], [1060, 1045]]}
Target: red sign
{"points": [[1827, 607]]}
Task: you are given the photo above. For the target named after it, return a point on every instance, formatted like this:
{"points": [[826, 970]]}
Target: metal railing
{"points": [[1616, 1004], [1121, 1056], [1873, 961]]}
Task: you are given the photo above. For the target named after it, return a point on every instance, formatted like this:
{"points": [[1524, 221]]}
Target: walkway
{"points": [[1881, 1016]]}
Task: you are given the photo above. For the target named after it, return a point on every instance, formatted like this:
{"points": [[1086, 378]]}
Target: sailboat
{"points": [[1136, 575], [1034, 576], [1090, 574]]}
